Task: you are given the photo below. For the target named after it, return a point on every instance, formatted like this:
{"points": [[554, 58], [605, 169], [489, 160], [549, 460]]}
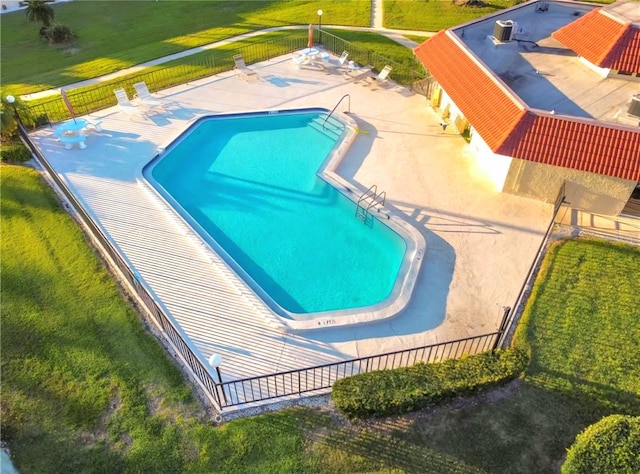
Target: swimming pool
{"points": [[250, 185]]}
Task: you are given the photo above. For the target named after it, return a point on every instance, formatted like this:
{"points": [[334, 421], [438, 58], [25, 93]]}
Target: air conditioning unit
{"points": [[542, 7], [634, 106], [503, 30]]}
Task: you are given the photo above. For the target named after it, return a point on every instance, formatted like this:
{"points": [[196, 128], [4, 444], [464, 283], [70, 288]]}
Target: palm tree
{"points": [[38, 10]]}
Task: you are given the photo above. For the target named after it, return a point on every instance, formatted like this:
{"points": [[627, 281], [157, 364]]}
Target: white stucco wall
{"points": [[590, 192], [601, 71], [585, 191], [496, 167]]}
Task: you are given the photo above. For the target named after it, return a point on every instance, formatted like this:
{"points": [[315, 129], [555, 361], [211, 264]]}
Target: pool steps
{"points": [[332, 127]]}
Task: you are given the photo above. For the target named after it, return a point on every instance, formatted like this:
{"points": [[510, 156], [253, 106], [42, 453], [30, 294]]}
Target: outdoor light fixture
{"points": [[215, 361], [12, 100], [320, 19]]}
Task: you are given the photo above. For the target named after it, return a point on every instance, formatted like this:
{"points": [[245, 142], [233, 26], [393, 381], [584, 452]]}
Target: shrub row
{"points": [[611, 445], [397, 391], [14, 152]]}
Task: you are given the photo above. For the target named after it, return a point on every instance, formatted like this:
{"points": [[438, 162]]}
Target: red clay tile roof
{"points": [[581, 144], [603, 40], [513, 130], [626, 54], [485, 102]]}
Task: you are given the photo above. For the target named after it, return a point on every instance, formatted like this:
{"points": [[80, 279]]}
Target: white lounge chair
{"points": [[382, 76], [342, 60], [144, 96], [242, 69], [125, 105]]}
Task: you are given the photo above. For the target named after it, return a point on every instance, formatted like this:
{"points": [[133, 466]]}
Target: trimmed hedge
{"points": [[391, 392], [611, 445], [14, 152]]}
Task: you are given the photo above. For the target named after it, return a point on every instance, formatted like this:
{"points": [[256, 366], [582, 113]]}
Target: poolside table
{"points": [[71, 132], [311, 52]]}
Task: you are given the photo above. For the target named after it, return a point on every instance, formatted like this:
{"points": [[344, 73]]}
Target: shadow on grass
{"points": [[391, 452], [520, 428], [597, 399]]}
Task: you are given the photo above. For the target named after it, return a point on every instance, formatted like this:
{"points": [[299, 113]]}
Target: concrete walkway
{"points": [[377, 14], [395, 35], [480, 242]]}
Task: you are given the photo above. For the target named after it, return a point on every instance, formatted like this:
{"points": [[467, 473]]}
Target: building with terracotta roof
{"points": [[549, 93]]}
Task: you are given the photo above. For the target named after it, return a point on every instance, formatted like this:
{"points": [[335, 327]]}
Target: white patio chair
{"points": [[342, 60], [381, 78], [125, 105], [145, 98], [242, 69]]}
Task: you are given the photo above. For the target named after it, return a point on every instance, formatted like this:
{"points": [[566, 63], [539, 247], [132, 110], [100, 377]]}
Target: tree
{"points": [[38, 10], [612, 445], [8, 122], [469, 3]]}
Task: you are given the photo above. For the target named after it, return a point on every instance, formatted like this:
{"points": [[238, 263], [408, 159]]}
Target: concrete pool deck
{"points": [[480, 242]]}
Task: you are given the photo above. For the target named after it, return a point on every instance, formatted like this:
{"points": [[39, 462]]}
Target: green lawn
{"points": [[436, 15], [116, 35], [583, 331], [584, 326], [86, 389], [215, 61]]}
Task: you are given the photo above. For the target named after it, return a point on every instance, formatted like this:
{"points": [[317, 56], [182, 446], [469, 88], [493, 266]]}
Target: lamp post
{"points": [[215, 361], [12, 100], [320, 19]]}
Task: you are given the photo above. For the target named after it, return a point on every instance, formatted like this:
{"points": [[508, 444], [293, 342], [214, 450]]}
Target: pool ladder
{"points": [[368, 200]]}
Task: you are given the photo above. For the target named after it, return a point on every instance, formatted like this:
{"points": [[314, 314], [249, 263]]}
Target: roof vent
{"points": [[503, 30], [634, 106]]}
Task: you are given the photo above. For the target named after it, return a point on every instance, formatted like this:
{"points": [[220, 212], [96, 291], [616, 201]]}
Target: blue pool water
{"points": [[249, 181]]}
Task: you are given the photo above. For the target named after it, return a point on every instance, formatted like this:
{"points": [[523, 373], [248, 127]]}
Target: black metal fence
{"points": [[507, 326], [410, 73], [312, 379], [99, 96], [172, 331], [270, 386]]}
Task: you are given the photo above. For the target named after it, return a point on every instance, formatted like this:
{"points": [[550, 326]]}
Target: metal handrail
{"points": [[372, 189], [378, 199], [334, 109]]}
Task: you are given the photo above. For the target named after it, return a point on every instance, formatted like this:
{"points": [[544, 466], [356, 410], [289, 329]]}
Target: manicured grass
{"points": [[377, 43], [113, 36], [86, 389], [93, 97], [583, 326], [582, 329], [435, 15]]}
